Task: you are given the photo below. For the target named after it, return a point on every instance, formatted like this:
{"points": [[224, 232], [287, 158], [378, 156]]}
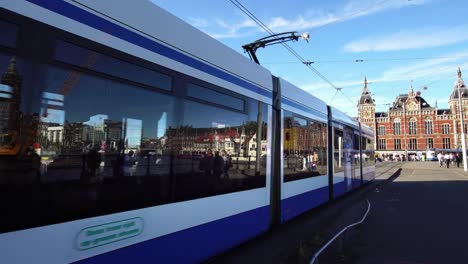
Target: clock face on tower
{"points": [[366, 115], [412, 106]]}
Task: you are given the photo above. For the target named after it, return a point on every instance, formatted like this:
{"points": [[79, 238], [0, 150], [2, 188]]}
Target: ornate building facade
{"points": [[411, 125]]}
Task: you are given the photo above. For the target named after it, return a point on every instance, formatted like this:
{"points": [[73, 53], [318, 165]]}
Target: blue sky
{"points": [[398, 41]]}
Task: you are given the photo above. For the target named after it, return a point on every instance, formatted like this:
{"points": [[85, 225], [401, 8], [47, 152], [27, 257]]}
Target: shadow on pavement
{"points": [[411, 221]]}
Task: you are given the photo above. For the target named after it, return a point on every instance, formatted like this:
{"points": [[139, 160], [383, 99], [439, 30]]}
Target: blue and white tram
{"points": [[123, 140]]}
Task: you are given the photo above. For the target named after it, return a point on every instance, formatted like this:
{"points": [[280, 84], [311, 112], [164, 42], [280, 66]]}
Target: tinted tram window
{"points": [[338, 152], [8, 34], [89, 59], [368, 155], [208, 95], [95, 146], [305, 147]]}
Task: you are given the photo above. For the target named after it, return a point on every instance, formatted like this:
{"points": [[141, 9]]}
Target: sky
{"points": [[400, 42]]}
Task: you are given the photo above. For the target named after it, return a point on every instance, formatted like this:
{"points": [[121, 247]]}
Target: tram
{"points": [[124, 140]]}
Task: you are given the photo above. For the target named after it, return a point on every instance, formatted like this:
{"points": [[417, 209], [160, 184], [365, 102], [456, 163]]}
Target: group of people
{"points": [[447, 158], [310, 161], [217, 165]]}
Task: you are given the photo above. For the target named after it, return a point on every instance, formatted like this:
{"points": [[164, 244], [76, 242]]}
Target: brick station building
{"points": [[411, 125]]}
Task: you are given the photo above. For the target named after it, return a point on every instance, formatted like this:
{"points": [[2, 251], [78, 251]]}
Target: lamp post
{"points": [[460, 111]]}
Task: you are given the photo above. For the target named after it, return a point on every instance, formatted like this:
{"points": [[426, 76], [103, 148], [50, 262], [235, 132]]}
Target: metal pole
{"points": [[463, 140], [404, 132]]}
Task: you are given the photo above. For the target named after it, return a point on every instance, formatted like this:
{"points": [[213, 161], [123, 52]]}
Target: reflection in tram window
{"points": [[368, 155], [10, 106], [338, 152], [305, 147], [110, 146]]}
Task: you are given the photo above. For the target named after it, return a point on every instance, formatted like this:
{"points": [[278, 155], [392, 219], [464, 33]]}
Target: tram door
{"points": [[356, 160], [348, 157]]}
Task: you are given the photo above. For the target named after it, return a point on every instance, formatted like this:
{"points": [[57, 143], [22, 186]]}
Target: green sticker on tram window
{"points": [[99, 235]]}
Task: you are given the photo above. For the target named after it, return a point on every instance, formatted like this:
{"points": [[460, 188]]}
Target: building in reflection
{"points": [[73, 137], [10, 101], [198, 140], [300, 139]]}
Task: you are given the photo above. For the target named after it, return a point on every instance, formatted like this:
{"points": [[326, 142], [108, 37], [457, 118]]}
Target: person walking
{"points": [[447, 159], [440, 158], [458, 160]]}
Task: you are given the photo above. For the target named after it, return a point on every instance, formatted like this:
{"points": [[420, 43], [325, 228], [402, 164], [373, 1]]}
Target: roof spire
{"points": [[365, 86], [411, 92]]}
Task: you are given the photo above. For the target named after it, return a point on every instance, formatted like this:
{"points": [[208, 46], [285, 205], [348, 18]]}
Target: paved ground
{"points": [[419, 217], [295, 241]]}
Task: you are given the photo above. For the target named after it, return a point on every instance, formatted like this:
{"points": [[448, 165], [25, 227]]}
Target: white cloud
{"points": [[431, 69], [353, 9], [303, 22], [410, 39]]}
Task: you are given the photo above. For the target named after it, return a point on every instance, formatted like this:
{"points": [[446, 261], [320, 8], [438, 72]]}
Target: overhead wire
{"points": [[371, 60], [291, 50], [331, 101]]}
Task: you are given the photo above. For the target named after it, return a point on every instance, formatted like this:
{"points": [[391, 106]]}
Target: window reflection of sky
{"points": [[5, 91], [92, 95], [133, 132]]}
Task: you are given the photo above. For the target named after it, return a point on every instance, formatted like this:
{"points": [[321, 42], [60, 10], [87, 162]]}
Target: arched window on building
{"points": [[428, 125], [397, 126], [412, 126]]}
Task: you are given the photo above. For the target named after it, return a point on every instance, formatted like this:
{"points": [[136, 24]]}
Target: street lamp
{"points": [[460, 109]]}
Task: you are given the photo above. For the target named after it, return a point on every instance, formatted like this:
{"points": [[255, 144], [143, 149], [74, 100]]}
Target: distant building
{"points": [[411, 125]]}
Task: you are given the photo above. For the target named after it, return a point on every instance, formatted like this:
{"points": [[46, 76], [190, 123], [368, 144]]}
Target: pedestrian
{"points": [[218, 165], [227, 163], [440, 158], [315, 161], [206, 163], [458, 160], [447, 159]]}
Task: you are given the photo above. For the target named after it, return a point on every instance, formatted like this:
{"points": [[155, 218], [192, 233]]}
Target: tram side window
{"points": [[85, 58], [368, 150], [98, 146], [305, 147], [8, 34], [338, 152], [355, 151]]}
